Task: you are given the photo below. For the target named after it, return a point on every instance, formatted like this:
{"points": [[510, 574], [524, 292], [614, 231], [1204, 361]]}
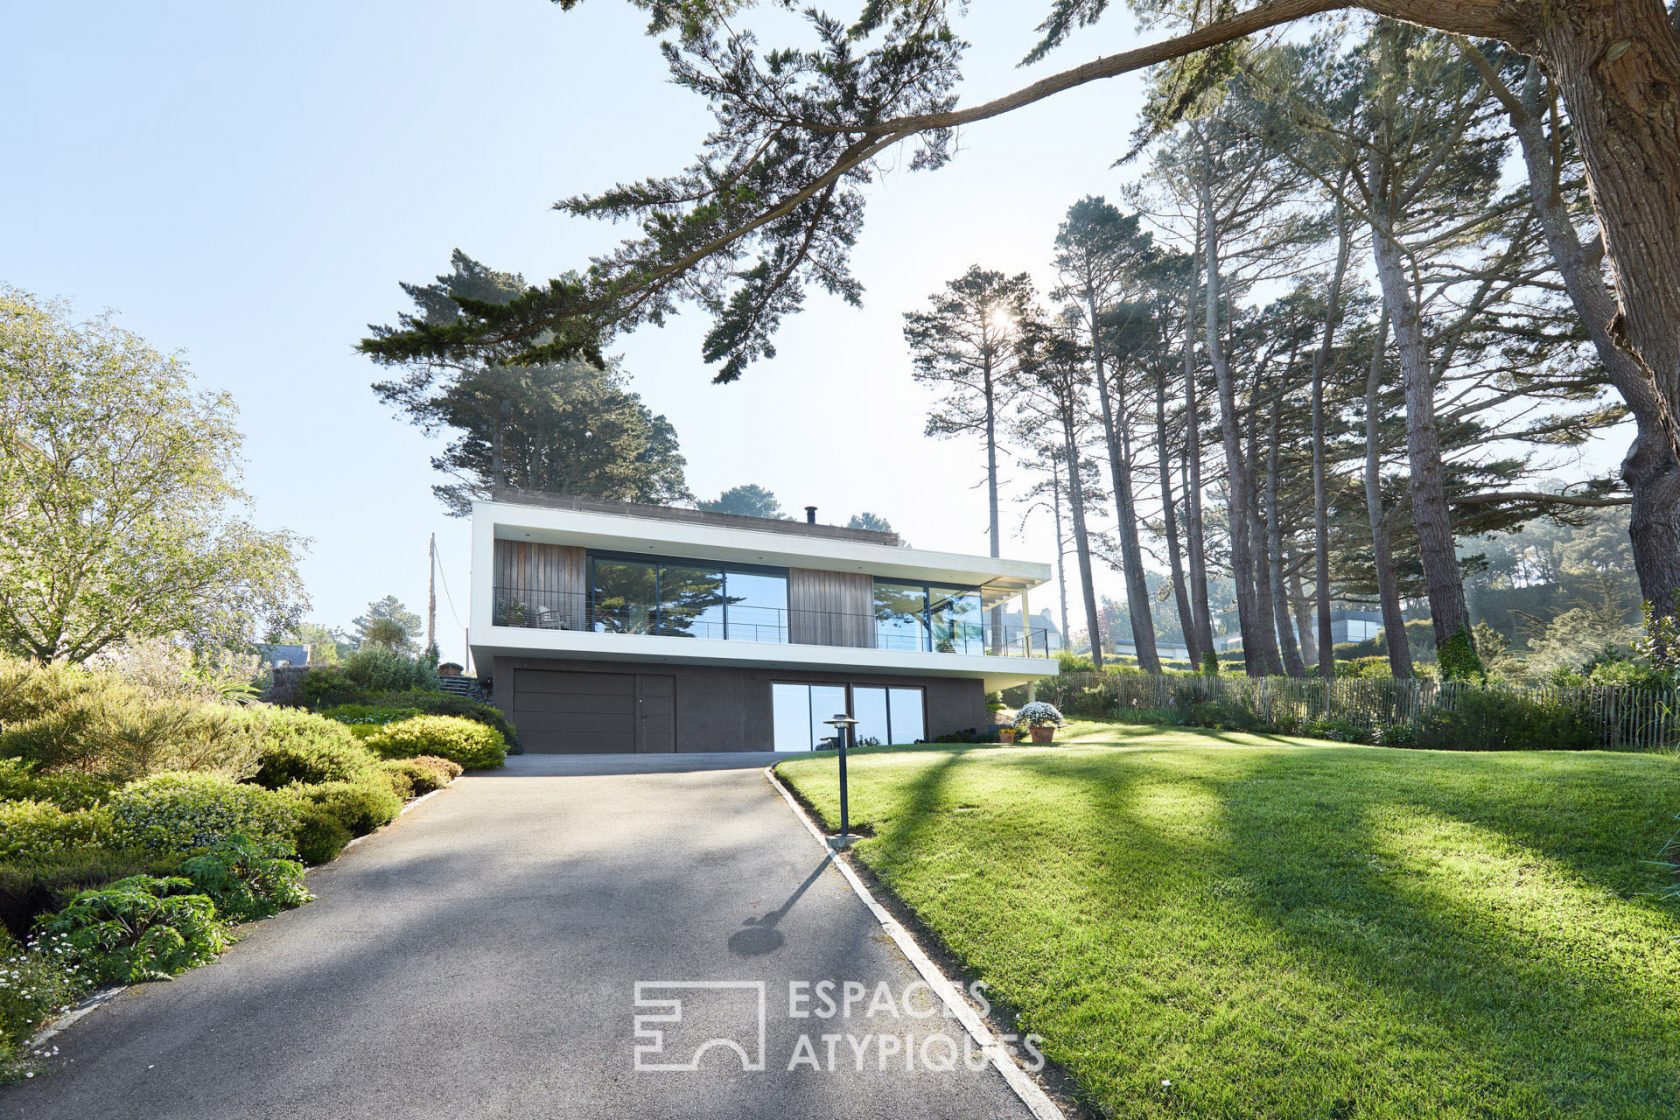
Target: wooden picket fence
{"points": [[1624, 718]]}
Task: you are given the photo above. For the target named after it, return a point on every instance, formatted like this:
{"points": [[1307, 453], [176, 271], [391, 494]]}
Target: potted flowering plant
{"points": [[1004, 720], [1040, 720]]}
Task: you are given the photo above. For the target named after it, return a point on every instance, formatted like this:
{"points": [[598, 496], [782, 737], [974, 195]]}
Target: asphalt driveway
{"points": [[481, 958]]}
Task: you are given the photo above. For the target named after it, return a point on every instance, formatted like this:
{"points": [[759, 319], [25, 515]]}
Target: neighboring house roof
{"points": [[284, 654]]}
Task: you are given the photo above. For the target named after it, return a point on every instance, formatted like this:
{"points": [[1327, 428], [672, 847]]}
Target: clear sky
{"points": [[246, 184]]}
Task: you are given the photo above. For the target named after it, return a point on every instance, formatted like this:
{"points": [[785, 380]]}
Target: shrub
{"points": [[299, 746], [398, 776], [32, 887], [371, 670], [1493, 720], [245, 882], [474, 745], [318, 835], [33, 989], [1071, 662], [1458, 659], [20, 781], [137, 928], [42, 830], [428, 772], [360, 806], [70, 719], [449, 704], [369, 715], [181, 813]]}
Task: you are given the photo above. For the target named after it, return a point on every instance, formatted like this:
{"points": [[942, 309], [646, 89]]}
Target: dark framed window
{"points": [[687, 598], [885, 714], [923, 617]]}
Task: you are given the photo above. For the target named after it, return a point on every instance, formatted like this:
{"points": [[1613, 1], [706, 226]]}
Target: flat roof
{"points": [[629, 528], [505, 495]]}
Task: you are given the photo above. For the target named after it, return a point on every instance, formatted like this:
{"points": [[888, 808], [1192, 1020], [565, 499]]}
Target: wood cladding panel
{"points": [[831, 608], [548, 577]]}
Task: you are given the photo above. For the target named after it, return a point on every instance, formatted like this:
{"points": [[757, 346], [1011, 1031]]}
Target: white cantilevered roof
{"points": [[731, 543]]}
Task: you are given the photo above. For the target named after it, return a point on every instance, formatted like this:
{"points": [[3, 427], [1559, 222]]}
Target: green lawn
{"points": [[1285, 928]]}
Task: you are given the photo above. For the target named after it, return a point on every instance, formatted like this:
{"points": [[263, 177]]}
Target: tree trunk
{"points": [[1082, 541], [989, 390], [1260, 652], [1388, 591], [1302, 606], [1061, 546], [1120, 473], [1169, 520], [1652, 466], [1292, 663], [1443, 580], [1201, 615], [1265, 605], [1321, 493]]}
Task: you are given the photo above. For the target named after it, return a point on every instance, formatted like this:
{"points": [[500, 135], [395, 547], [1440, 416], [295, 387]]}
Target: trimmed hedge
{"points": [[360, 806], [423, 774], [392, 706], [318, 834], [474, 746], [300, 746], [182, 813]]}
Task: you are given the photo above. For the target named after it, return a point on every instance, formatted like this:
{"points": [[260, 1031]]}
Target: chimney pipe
{"points": [[810, 515]]}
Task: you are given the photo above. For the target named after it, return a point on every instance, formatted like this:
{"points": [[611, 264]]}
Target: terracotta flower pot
{"points": [[1006, 734], [1043, 734]]}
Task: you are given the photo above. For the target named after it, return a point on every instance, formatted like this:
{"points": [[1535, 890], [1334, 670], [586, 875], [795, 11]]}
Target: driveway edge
{"points": [[99, 998], [1021, 1083]]}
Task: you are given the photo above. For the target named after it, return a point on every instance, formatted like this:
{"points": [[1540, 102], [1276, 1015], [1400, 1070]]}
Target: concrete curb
{"points": [[105, 995], [1020, 1082]]}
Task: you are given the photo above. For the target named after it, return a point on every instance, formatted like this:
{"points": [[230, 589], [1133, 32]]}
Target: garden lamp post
{"points": [[842, 724]]}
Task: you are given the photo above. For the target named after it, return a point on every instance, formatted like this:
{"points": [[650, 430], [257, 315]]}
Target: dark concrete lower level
{"points": [[566, 706]]}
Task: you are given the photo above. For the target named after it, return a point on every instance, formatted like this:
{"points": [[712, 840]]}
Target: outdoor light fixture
{"points": [[842, 724]]}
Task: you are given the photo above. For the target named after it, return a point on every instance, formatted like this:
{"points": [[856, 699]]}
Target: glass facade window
{"points": [[917, 617], [687, 599], [624, 594], [900, 616], [955, 616], [757, 605], [690, 602], [884, 715]]}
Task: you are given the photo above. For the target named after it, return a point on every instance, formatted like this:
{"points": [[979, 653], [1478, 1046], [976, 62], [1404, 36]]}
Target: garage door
{"points": [[594, 713]]}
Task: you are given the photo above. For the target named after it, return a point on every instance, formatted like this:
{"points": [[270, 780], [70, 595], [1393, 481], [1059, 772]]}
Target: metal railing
{"points": [[714, 619]]}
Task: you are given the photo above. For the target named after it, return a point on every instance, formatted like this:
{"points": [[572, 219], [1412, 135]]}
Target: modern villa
{"points": [[608, 626]]}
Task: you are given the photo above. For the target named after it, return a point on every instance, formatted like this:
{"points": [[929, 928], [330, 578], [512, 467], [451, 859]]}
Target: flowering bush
{"points": [[186, 812], [473, 745], [34, 987], [244, 882], [41, 830], [137, 928], [1038, 714]]}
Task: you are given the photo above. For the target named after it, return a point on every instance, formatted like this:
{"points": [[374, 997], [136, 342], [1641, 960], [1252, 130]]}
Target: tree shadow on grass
{"points": [[1516, 1012]]}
